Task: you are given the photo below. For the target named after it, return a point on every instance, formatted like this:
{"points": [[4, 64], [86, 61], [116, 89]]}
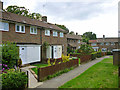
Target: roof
{"points": [[26, 20], [73, 36], [99, 40]]}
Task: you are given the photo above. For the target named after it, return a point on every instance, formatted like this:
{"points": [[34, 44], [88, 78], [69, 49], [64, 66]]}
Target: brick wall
{"points": [[26, 37]]}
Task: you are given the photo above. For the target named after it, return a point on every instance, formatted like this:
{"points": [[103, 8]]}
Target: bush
{"points": [[65, 58], [93, 55], [109, 53], [99, 54], [10, 54], [14, 80]]}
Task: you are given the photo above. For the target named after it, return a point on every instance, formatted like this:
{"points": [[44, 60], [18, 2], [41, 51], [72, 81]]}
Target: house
{"points": [[30, 34], [74, 41], [105, 44]]}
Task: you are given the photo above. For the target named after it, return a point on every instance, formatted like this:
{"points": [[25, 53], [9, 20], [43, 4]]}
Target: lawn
{"points": [[101, 75], [38, 66]]}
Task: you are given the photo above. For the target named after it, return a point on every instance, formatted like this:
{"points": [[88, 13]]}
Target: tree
{"points": [[63, 27], [23, 11], [88, 36], [72, 32]]}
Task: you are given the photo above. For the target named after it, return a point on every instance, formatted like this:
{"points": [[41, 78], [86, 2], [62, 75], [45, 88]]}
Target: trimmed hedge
{"points": [[109, 53]]}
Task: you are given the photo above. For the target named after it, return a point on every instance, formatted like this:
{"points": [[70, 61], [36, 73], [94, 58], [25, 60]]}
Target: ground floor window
{"points": [[54, 51], [104, 49]]}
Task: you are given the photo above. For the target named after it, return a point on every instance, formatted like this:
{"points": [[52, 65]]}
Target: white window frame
{"points": [[93, 44], [112, 43], [47, 32], [55, 33], [101, 44], [61, 34], [78, 41], [107, 43], [20, 28], [34, 28], [4, 27]]}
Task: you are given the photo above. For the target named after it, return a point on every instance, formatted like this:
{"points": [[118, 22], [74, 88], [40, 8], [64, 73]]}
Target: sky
{"points": [[97, 16]]}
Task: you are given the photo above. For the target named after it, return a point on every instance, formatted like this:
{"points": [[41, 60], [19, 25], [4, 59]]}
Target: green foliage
{"points": [[88, 36], [85, 49], [19, 62], [14, 80], [72, 32], [69, 50], [65, 58], [109, 53], [10, 54], [93, 55], [23, 11], [48, 61], [63, 27]]}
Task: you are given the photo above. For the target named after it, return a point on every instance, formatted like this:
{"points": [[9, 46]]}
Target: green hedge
{"points": [[14, 80], [109, 53], [95, 55]]}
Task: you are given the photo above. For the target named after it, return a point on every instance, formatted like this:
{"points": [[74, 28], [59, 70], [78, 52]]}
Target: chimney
{"points": [[1, 5], [103, 36], [76, 33], [44, 18]]}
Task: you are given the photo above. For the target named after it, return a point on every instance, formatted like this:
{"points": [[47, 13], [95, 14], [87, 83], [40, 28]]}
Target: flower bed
{"points": [[44, 72]]}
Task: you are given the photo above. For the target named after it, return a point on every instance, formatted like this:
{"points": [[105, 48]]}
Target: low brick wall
{"points": [[52, 60], [50, 70], [83, 58]]}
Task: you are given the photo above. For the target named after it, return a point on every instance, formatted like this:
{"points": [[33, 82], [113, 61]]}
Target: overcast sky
{"points": [[98, 16]]}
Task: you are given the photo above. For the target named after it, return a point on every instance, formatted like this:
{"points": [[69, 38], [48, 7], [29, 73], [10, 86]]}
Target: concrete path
{"points": [[32, 80], [60, 80]]}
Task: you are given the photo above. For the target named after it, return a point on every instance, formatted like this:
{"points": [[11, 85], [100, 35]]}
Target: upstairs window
{"points": [[55, 33], [93, 44], [102, 44], [112, 43], [78, 41], [107, 43], [47, 32], [61, 34], [20, 28], [4, 26], [33, 30]]}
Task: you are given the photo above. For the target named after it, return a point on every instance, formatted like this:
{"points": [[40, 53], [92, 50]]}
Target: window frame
{"points": [[34, 28], [93, 44], [55, 33], [78, 41], [101, 43], [107, 43], [4, 27], [48, 33], [112, 43], [20, 28], [61, 34]]}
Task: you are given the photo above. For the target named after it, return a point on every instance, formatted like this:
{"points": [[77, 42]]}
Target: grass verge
{"points": [[101, 75]]}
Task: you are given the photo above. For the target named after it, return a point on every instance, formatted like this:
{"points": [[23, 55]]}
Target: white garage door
{"points": [[29, 53]]}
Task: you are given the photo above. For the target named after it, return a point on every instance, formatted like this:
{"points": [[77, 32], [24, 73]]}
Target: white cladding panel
{"points": [[29, 54]]}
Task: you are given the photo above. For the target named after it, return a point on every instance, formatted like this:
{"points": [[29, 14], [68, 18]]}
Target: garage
{"points": [[29, 53]]}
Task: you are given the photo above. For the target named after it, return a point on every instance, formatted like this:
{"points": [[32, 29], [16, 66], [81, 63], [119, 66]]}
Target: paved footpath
{"points": [[60, 80]]}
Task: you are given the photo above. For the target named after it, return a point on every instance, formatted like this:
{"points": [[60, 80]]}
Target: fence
{"points": [[50, 70], [83, 58]]}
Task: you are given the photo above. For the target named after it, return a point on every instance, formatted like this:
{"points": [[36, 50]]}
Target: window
{"points": [[4, 26], [33, 30], [47, 32], [55, 33], [20, 28], [93, 44], [102, 44], [78, 47], [112, 43], [107, 43], [104, 49], [61, 34], [78, 41]]}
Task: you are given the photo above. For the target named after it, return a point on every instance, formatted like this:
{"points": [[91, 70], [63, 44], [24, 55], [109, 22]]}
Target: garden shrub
{"points": [[65, 58], [93, 55], [109, 53], [14, 80], [99, 54], [10, 54]]}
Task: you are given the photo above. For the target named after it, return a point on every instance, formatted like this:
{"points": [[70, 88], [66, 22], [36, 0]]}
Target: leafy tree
{"points": [[10, 54], [63, 27], [85, 49], [23, 11], [88, 36], [72, 32]]}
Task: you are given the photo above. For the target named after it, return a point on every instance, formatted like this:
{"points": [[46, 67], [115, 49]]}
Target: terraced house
{"points": [[74, 41], [30, 34], [105, 44]]}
